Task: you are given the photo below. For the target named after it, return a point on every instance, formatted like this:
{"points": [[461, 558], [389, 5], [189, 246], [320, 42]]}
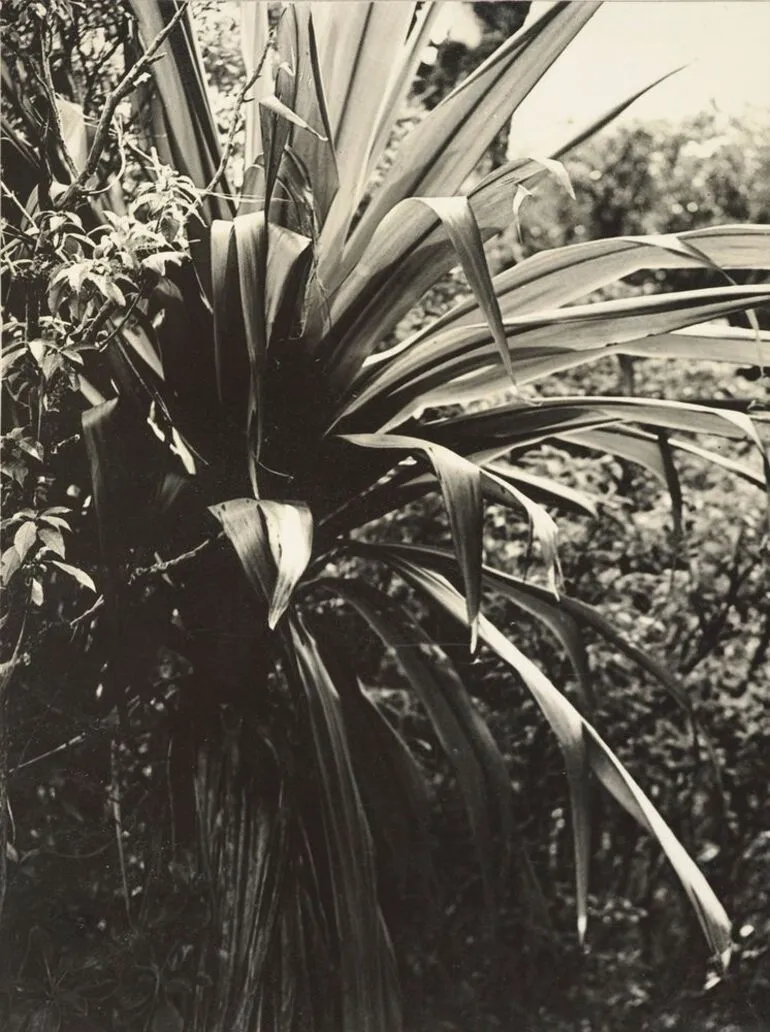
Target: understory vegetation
{"points": [[280, 753]]}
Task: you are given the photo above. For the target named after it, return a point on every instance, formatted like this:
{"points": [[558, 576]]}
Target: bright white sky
{"points": [[630, 42]]}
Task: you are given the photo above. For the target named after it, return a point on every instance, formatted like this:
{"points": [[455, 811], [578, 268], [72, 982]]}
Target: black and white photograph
{"points": [[385, 534]]}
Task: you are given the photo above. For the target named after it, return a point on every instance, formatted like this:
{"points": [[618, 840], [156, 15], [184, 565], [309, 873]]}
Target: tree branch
{"points": [[142, 572], [121, 91], [171, 564], [46, 81]]}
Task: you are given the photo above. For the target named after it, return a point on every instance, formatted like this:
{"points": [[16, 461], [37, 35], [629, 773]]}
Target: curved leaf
{"points": [[609, 116], [557, 277], [445, 147], [358, 46], [369, 1001], [460, 482], [480, 769], [409, 375], [584, 749], [416, 243], [274, 543]]}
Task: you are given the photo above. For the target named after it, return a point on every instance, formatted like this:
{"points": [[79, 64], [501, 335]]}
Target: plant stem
{"points": [[104, 126], [236, 118]]}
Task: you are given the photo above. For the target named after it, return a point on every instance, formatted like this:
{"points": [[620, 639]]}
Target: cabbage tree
{"points": [[254, 437]]}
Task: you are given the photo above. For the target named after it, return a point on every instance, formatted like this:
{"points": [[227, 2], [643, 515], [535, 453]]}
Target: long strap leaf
{"points": [[460, 482], [556, 277], [584, 749], [457, 351], [480, 769], [366, 966], [446, 146], [185, 131]]}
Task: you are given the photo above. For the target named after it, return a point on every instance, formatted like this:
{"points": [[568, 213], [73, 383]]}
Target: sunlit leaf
{"points": [[83, 579], [274, 543], [24, 539]]}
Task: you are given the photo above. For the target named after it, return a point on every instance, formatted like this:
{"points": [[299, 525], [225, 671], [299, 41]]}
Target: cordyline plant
{"points": [[248, 423]]}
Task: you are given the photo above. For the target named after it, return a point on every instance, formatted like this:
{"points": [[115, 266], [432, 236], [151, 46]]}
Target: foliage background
{"points": [[702, 602]]}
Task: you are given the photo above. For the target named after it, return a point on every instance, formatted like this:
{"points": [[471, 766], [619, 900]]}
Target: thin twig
{"points": [[78, 620], [46, 80], [116, 332], [121, 91], [97, 324], [102, 60], [171, 564], [118, 176], [148, 571], [238, 110], [9, 193], [118, 820], [51, 752]]}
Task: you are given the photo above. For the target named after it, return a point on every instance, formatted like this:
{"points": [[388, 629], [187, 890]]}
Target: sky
{"points": [[628, 43]]}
